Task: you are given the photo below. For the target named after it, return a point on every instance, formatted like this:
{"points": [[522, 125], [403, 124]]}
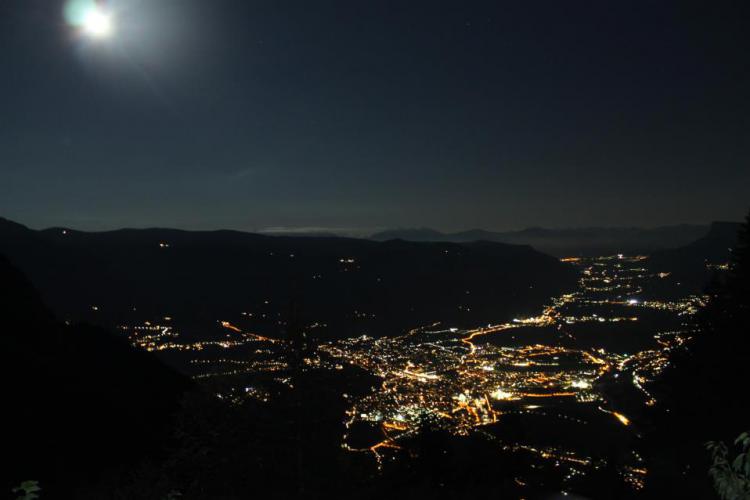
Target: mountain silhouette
{"points": [[353, 286], [564, 242], [695, 264], [82, 401]]}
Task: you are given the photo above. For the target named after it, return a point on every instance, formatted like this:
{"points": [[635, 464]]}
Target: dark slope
{"points": [[79, 400], [693, 264], [714, 247], [354, 286], [563, 242], [705, 387]]}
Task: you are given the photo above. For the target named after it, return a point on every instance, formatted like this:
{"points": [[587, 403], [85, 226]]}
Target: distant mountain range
{"points": [[564, 242], [346, 286]]}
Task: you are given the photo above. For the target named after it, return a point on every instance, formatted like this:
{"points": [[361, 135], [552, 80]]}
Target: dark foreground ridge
{"points": [[82, 401]]}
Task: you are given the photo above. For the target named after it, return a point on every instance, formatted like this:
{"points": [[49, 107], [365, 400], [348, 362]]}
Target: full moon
{"points": [[90, 17], [97, 23]]}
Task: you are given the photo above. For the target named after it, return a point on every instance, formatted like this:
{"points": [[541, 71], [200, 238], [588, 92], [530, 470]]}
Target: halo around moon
{"points": [[90, 17]]}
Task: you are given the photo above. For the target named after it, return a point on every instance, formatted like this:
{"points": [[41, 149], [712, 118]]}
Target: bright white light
{"points": [[501, 394], [97, 23]]}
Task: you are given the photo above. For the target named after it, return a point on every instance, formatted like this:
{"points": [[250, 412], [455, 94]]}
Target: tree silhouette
{"points": [[731, 476], [704, 394]]}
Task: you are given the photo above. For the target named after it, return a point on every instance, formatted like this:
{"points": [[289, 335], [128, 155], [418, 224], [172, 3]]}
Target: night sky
{"points": [[357, 115]]}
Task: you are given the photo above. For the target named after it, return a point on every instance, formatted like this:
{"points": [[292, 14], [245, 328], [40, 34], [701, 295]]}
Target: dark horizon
{"points": [[364, 232]]}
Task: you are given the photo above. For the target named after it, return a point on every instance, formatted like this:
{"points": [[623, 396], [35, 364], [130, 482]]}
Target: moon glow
{"points": [[90, 17]]}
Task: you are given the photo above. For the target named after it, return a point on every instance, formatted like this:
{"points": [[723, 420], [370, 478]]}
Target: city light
{"points": [[501, 394], [467, 380]]}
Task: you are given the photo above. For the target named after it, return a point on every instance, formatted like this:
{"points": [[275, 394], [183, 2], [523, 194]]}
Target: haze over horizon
{"points": [[360, 232]]}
